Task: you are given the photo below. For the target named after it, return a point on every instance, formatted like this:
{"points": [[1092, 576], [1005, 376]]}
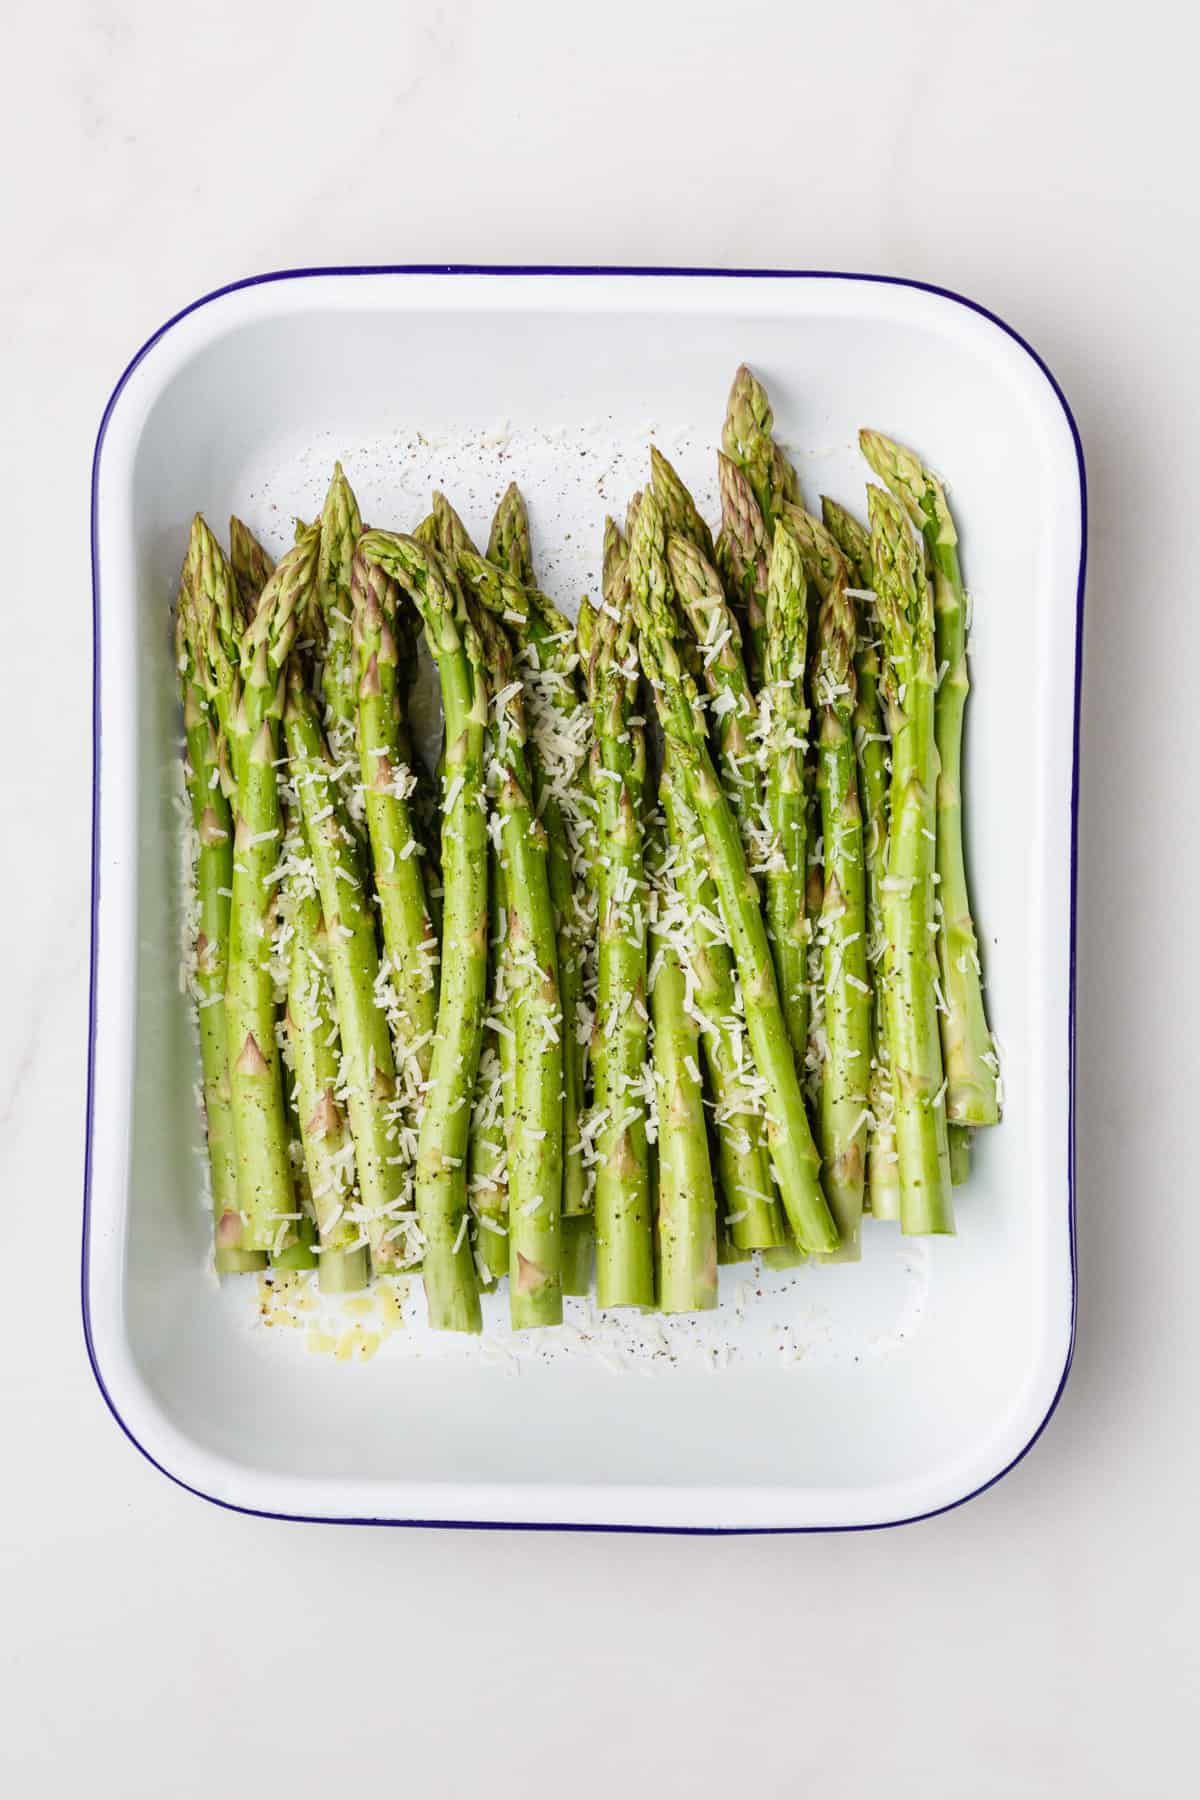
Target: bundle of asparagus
{"points": [[672, 963]]}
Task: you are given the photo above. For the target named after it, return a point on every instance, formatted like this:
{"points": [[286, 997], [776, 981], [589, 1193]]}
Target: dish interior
{"points": [[835, 1394]]}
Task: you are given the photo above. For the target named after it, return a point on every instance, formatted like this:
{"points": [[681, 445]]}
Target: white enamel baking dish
{"points": [[842, 1397]]}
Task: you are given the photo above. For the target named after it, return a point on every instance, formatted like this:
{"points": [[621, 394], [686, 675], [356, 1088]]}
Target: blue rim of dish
{"points": [[275, 275]]}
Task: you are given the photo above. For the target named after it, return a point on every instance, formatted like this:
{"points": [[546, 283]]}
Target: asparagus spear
{"points": [[450, 535], [508, 543], [423, 806], [702, 599], [753, 1213], [450, 1279], [845, 1074], [624, 1238], [686, 1222], [212, 824], [966, 1041], [252, 567], [492, 1103], [341, 527], [883, 1175], [681, 515], [911, 1010], [487, 1160], [751, 1205], [748, 441], [533, 1103], [548, 664], [265, 1185], [387, 782], [794, 1155], [368, 1067], [344, 1264], [219, 619], [742, 551], [784, 746]]}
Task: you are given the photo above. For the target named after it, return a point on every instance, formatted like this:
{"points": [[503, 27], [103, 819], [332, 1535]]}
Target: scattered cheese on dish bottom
{"points": [[349, 1330]]}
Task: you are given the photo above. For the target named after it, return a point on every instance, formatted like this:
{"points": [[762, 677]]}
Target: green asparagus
{"points": [[732, 707], [533, 1016], [742, 551], [387, 783], [748, 440], [797, 1165], [854, 542], [312, 1028], [212, 825], [910, 1005], [681, 515], [845, 1074], [686, 1220], [970, 1059], [751, 1205], [783, 737], [451, 1284], [624, 1238], [265, 1183]]}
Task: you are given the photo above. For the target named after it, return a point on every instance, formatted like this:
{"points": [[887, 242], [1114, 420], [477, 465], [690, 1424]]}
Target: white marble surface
{"points": [[1039, 1642]]}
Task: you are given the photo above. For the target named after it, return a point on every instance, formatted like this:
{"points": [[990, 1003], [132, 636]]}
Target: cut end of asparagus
{"points": [[344, 1271], [300, 1253], [239, 1262]]}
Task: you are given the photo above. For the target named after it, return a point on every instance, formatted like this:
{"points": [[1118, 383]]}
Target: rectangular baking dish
{"points": [[838, 1397]]}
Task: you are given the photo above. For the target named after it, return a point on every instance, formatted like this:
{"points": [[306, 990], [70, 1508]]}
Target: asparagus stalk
{"points": [[784, 747], [558, 720], [845, 1075], [341, 528], [732, 708], [960, 1153], [534, 1113], [265, 1184], [681, 515], [686, 1223], [487, 1180], [752, 1211], [797, 1165], [751, 1205], [883, 1175], [368, 1067], [911, 1009], [387, 782], [252, 569], [450, 1279], [624, 1236], [742, 552], [747, 439], [493, 1104], [970, 1058], [212, 824], [578, 1253], [344, 1264]]}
